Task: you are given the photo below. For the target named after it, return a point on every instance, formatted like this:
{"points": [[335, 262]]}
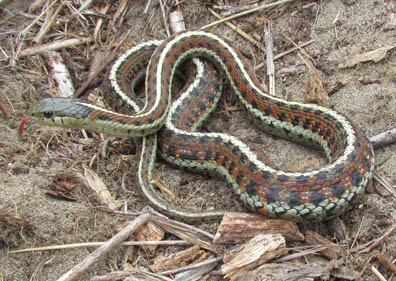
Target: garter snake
{"points": [[314, 195]]}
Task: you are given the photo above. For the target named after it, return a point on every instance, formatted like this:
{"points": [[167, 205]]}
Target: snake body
{"points": [[317, 195]]}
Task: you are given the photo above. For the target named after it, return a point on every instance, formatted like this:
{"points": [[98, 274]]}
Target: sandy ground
{"points": [[29, 164]]}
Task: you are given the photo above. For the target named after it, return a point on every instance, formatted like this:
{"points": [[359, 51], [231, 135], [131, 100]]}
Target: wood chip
{"points": [[333, 252], [259, 250], [240, 227], [177, 260], [149, 232]]}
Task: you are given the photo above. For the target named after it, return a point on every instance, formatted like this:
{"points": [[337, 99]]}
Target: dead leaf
{"points": [[315, 91], [376, 56], [97, 185], [391, 22], [149, 232], [61, 189]]}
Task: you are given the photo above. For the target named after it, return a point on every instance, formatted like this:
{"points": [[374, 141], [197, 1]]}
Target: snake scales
{"points": [[314, 195]]}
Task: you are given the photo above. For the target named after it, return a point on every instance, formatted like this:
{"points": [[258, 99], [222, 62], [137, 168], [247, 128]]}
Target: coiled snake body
{"points": [[317, 195]]}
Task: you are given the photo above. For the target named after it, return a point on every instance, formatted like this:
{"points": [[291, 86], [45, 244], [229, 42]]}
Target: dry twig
{"points": [[47, 26], [99, 244], [384, 138], [54, 46], [76, 271], [377, 273], [269, 43], [240, 32], [367, 247], [247, 13]]}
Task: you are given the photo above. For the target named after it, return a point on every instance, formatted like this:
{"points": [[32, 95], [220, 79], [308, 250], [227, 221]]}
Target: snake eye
{"points": [[48, 114]]}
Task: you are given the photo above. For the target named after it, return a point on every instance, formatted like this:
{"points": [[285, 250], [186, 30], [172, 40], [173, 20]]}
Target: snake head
{"points": [[60, 112]]}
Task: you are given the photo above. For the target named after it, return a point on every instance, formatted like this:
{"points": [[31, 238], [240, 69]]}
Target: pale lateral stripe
{"points": [[116, 66]]}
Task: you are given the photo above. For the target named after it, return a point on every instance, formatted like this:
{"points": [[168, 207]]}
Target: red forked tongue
{"points": [[22, 125]]}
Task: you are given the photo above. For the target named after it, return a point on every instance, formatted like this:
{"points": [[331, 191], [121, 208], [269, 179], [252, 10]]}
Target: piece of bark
{"points": [[240, 227], [177, 21], [333, 252], [259, 250], [149, 232], [60, 74], [177, 260]]}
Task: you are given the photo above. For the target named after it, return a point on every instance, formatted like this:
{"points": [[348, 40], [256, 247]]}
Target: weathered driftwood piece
{"points": [[333, 250], [259, 250], [177, 260], [239, 227]]}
